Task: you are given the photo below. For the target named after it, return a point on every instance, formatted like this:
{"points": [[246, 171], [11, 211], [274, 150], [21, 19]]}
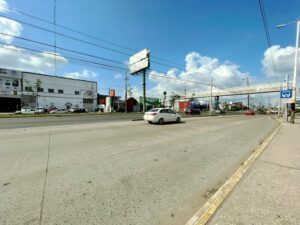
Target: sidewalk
{"points": [[269, 193]]}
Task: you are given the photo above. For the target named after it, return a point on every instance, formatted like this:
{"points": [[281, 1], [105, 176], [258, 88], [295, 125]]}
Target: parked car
{"points": [[40, 110], [72, 109], [249, 113], [27, 110], [161, 116], [80, 110], [58, 111], [220, 111], [193, 111]]}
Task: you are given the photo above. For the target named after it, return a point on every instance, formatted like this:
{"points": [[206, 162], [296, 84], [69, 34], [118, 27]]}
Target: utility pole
{"points": [[279, 106], [248, 96], [210, 103], [287, 104], [126, 86], [185, 94]]}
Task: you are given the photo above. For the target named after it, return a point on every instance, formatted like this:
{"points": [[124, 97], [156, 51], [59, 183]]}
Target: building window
{"points": [[3, 71], [28, 89], [15, 83], [39, 89], [76, 92], [50, 90], [60, 91], [90, 101], [7, 82]]}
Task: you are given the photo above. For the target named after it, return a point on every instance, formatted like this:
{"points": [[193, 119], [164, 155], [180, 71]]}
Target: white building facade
{"points": [[18, 89]]}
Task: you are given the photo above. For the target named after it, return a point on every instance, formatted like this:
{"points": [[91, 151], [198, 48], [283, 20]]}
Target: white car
{"points": [[57, 111], [161, 116], [27, 110], [72, 109], [39, 110]]}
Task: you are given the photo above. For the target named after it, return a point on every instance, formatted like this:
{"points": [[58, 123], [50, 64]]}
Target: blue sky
{"points": [[226, 30]]}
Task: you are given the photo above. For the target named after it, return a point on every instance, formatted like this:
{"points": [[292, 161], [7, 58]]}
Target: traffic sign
{"points": [[286, 93]]}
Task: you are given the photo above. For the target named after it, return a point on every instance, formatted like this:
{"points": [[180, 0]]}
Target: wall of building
{"points": [[19, 88], [10, 90], [10, 83], [61, 92]]}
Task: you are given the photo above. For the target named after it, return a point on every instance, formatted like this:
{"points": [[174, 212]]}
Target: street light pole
{"points": [[293, 105], [293, 100]]}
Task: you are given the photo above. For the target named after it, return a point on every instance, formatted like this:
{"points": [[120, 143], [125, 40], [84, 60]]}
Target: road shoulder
{"points": [[269, 192]]}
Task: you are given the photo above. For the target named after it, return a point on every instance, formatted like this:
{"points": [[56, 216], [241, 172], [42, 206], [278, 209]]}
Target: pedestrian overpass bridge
{"points": [[243, 90]]}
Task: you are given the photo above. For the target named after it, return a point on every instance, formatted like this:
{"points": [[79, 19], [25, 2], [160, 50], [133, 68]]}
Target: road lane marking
{"points": [[203, 215]]}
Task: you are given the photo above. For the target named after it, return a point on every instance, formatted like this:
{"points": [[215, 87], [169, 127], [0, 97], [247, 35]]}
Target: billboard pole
{"points": [[144, 90], [140, 62]]}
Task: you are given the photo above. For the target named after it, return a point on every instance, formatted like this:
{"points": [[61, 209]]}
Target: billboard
{"points": [[139, 61]]}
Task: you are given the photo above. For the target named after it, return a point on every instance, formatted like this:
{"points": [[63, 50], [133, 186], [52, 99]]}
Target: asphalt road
{"points": [[122, 172], [23, 122]]}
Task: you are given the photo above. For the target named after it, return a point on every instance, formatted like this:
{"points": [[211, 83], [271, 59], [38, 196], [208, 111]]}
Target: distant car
{"points": [[219, 111], [57, 111], [39, 110], [161, 116], [27, 110], [193, 111], [80, 110], [261, 111], [274, 111], [249, 113], [72, 109]]}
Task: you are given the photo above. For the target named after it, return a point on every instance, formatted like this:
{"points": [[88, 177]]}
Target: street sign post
{"points": [[286, 93]]}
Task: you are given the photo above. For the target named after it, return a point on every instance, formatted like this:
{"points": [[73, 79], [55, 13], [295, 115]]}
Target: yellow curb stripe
{"points": [[204, 214]]}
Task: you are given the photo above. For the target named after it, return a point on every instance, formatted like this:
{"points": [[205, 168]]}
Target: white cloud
{"points": [[199, 69], [118, 76], [10, 27], [85, 74], [20, 59], [3, 6], [283, 58]]}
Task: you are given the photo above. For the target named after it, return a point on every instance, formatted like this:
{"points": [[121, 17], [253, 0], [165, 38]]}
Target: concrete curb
{"points": [[203, 215]]}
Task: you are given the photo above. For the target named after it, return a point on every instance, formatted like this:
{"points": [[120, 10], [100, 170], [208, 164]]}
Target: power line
{"points": [[61, 48], [65, 35], [75, 39], [69, 60], [67, 57], [88, 35], [267, 33]]}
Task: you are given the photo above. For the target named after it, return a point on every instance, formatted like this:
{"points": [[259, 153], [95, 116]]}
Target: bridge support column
{"points": [[217, 102]]}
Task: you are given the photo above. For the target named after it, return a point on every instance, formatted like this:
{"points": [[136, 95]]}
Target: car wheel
{"points": [[161, 121], [178, 120], [149, 122]]}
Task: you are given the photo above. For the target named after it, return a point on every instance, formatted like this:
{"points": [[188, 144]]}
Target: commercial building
{"points": [[18, 89]]}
